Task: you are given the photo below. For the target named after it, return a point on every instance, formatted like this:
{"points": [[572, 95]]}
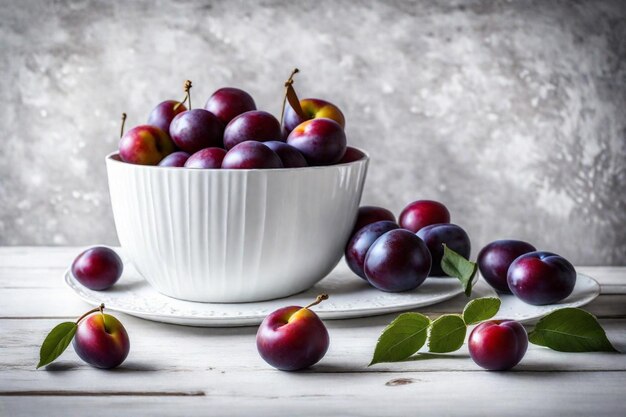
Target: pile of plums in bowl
{"points": [[399, 256], [227, 203], [231, 133]]}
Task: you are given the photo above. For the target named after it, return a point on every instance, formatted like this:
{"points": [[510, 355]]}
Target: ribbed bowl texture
{"points": [[214, 235]]}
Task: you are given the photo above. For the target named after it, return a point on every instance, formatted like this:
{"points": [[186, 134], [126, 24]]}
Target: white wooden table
{"points": [[185, 371]]}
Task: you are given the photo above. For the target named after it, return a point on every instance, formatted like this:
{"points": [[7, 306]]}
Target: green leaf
{"points": [[403, 337], [56, 342], [457, 266], [481, 309], [447, 334], [571, 330]]}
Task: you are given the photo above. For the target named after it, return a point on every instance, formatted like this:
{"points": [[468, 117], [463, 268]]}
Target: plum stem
{"points": [[292, 97], [104, 322], [187, 86], [318, 300], [123, 123], [100, 308]]}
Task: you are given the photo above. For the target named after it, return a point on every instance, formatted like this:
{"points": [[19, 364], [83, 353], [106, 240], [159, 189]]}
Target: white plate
{"points": [[585, 291], [350, 297]]}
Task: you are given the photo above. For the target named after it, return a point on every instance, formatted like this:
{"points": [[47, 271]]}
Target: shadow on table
{"points": [[427, 356], [340, 368], [131, 366], [125, 287], [177, 330], [621, 347], [126, 367], [61, 366]]}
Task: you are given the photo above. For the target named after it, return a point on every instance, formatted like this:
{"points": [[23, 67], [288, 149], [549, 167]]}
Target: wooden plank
{"points": [[20, 257], [165, 351], [289, 394], [180, 370], [61, 257], [613, 289], [31, 282], [16, 258], [34, 277], [50, 277], [612, 279], [40, 302], [58, 301], [608, 306], [606, 275]]}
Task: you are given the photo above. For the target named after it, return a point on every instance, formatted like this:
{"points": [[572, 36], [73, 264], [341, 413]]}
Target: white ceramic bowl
{"points": [[234, 235]]}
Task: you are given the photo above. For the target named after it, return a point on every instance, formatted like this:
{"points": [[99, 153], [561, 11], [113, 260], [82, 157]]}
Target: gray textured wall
{"points": [[512, 113]]}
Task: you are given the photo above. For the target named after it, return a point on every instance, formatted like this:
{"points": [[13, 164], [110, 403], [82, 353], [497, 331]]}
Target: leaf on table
{"points": [[404, 336], [571, 330], [457, 266], [56, 342], [447, 334], [481, 309]]}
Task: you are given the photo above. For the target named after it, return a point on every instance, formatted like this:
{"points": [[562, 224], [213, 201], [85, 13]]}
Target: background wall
{"points": [[511, 113]]}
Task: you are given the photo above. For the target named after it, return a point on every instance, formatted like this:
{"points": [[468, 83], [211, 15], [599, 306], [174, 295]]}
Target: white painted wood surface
{"points": [[184, 371]]}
